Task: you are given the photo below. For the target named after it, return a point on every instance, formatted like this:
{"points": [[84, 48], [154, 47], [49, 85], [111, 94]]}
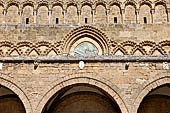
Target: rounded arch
{"points": [[71, 3], [85, 2], [28, 3], [145, 2], [101, 2], [160, 2], [42, 3], [86, 31], [147, 86], [11, 3], [115, 2], [57, 3], [15, 86], [2, 3], [93, 80], [132, 3]]}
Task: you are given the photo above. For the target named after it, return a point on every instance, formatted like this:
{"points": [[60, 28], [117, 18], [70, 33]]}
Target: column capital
{"points": [[107, 11], [153, 11]]}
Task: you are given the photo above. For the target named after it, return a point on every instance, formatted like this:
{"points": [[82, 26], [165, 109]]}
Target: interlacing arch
{"points": [[108, 46]]}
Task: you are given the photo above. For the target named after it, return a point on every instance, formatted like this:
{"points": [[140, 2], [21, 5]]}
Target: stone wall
{"points": [[37, 60], [72, 13]]}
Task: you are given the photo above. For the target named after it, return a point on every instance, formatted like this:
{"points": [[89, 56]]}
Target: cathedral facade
{"points": [[84, 56]]}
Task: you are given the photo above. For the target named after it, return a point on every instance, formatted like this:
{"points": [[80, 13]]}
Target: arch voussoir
{"points": [[79, 79], [147, 87]]}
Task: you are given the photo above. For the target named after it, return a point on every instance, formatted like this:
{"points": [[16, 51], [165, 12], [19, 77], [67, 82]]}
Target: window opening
{"points": [[27, 20], [86, 20], [57, 21], [115, 20], [145, 20]]}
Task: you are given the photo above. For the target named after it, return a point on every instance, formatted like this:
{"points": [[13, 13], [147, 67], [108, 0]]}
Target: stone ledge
{"points": [[64, 58]]}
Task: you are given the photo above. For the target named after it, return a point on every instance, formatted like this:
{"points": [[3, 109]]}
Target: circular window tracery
{"points": [[86, 49]]}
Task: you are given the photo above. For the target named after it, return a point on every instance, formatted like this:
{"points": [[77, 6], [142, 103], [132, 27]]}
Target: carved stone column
{"points": [[93, 12], [137, 16], [35, 16], [4, 16], [20, 16], [49, 16], [79, 13], [153, 15], [123, 16], [64, 14], [107, 13], [168, 13]]}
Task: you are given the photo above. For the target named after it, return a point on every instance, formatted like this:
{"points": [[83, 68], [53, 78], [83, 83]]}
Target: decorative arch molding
{"points": [[57, 3], [146, 87], [86, 2], [160, 2], [13, 2], [42, 3], [101, 2], [16, 87], [72, 3], [2, 3], [90, 79], [145, 2], [28, 3], [115, 2], [130, 2], [86, 31]]}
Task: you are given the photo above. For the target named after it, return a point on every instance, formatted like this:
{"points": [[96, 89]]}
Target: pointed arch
{"points": [[138, 48]]}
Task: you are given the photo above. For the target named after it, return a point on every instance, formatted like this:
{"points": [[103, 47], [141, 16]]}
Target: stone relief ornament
{"points": [[86, 49], [81, 64]]}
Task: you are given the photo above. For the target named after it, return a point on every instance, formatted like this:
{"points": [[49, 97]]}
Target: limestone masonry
{"points": [[85, 56]]}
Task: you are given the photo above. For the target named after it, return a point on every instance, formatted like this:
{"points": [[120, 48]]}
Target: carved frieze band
{"points": [[45, 48]]}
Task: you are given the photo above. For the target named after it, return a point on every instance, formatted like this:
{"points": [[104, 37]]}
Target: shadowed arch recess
{"points": [[16, 87], [89, 32], [69, 80], [147, 87]]}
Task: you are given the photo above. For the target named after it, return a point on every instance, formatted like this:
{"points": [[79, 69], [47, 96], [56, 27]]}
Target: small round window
{"points": [[86, 49]]}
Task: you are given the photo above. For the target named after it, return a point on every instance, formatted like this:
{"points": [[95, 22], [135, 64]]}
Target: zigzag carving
{"points": [[45, 48]]}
